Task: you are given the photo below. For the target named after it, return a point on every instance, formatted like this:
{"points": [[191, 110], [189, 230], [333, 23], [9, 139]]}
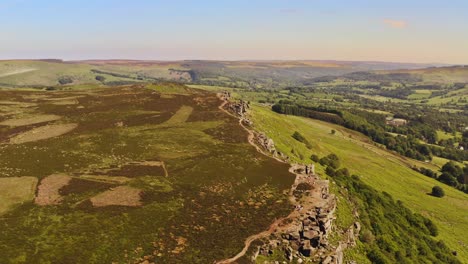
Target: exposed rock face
{"points": [[306, 235], [266, 143], [238, 108]]}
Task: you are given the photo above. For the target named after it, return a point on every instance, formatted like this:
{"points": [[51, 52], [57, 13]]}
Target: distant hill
{"points": [[447, 74], [438, 74], [247, 74]]}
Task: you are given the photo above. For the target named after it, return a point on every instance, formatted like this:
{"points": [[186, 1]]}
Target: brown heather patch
{"points": [[121, 195], [48, 190], [77, 185]]}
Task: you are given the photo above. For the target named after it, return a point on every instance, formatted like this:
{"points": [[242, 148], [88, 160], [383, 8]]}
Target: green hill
{"points": [[380, 169], [246, 74]]}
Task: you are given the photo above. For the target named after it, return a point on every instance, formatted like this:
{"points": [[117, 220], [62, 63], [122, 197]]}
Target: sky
{"points": [[429, 31]]}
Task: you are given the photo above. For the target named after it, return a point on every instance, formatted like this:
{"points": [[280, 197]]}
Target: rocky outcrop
{"points": [[302, 235], [238, 108], [306, 233], [266, 143]]}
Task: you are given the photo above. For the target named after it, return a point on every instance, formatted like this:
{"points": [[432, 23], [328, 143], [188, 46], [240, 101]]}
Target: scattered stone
{"points": [[357, 226]]}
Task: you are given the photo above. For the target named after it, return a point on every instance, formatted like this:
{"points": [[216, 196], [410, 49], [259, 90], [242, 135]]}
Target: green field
{"points": [[15, 191], [378, 168], [445, 135], [420, 94]]}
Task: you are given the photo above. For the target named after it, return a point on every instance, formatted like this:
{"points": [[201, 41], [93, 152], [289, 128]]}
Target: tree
{"points": [[331, 160], [314, 158], [65, 80], [330, 171], [333, 131], [367, 236], [437, 191], [453, 169], [448, 179], [297, 136], [100, 78]]}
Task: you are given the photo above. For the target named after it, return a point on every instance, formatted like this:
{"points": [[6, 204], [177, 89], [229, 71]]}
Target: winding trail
{"points": [[273, 227], [276, 225], [251, 135]]}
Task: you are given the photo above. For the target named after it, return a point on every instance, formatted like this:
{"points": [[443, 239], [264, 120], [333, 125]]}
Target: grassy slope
{"points": [[41, 73], [44, 73], [16, 190], [378, 168]]}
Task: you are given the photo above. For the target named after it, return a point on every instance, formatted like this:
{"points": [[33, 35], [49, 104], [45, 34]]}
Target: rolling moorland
{"points": [[107, 161]]}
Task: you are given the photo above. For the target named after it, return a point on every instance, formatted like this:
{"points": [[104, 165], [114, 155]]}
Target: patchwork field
{"points": [[130, 173]]}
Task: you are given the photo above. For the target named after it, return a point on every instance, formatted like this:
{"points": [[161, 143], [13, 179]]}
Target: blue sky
{"points": [[378, 30]]}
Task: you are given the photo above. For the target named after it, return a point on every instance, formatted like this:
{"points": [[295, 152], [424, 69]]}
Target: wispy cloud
{"points": [[395, 23]]}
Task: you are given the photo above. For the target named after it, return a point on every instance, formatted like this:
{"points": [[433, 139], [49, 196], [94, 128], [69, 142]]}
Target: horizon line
{"points": [[236, 60]]}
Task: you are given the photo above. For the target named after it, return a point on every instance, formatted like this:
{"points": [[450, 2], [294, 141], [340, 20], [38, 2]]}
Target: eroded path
{"points": [[280, 224]]}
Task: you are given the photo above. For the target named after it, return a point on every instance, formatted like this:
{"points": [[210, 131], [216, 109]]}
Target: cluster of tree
{"points": [[292, 109], [408, 146], [427, 87], [63, 80], [454, 176], [464, 141], [392, 233], [425, 171], [417, 129], [297, 136], [451, 174], [330, 161], [416, 114], [421, 128], [450, 153], [373, 77], [119, 75], [120, 83], [400, 93]]}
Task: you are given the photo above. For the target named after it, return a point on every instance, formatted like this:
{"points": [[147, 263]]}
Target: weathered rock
{"points": [[306, 249], [294, 235], [310, 234], [266, 143], [327, 260], [306, 234], [357, 226], [339, 254], [289, 254]]}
